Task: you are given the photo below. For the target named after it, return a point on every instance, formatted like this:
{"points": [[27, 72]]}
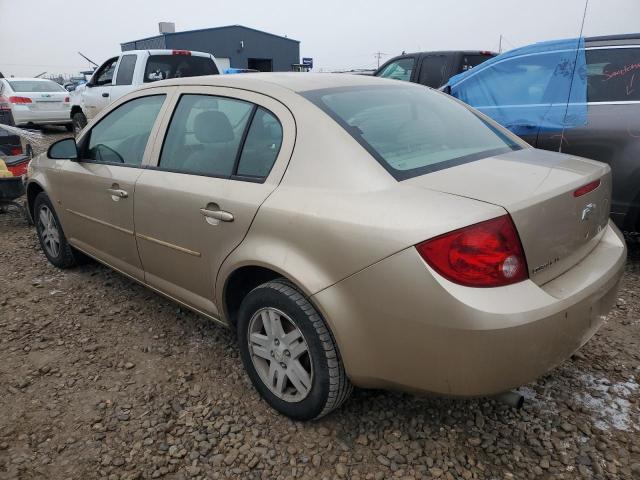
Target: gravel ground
{"points": [[101, 378]]}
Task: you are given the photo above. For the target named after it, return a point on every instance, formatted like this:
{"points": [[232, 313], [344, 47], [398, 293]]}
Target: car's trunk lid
{"points": [[536, 187]]}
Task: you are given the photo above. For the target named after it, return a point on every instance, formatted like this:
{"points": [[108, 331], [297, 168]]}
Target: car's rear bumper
{"points": [[25, 116], [400, 325]]}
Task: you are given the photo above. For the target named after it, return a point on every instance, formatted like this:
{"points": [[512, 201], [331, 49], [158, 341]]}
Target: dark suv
{"points": [[432, 69], [579, 96]]}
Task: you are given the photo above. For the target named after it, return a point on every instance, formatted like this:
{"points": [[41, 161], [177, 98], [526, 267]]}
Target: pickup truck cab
{"points": [[432, 69], [131, 69]]}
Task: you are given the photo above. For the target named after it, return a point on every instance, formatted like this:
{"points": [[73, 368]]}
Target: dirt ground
{"points": [[101, 378]]}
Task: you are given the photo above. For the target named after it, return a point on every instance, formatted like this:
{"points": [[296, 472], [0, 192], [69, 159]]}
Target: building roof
{"points": [[208, 30]]}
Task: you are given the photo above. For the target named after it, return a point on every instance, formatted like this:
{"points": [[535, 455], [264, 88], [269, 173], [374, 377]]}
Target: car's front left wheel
{"points": [[52, 240], [289, 353]]}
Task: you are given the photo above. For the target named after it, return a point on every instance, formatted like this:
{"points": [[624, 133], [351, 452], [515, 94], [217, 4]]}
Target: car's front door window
{"points": [[105, 75], [399, 70], [121, 137]]}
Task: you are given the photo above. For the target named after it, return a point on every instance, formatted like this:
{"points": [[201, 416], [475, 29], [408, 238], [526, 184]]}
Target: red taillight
{"points": [[15, 151], [180, 52], [589, 187], [19, 100], [67, 99], [487, 254]]}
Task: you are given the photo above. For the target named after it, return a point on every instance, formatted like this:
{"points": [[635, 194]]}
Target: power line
{"points": [[379, 55]]}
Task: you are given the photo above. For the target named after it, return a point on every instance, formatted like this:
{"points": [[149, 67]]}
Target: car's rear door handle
{"points": [[116, 192], [105, 95], [220, 215]]}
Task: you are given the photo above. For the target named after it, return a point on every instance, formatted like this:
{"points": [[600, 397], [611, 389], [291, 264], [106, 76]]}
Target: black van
{"points": [[432, 69]]}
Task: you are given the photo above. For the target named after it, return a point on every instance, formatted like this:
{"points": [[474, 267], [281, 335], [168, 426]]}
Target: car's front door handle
{"points": [[105, 95], [116, 192], [217, 214]]}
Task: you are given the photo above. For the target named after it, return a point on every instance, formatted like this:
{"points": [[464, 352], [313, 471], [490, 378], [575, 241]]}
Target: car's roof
{"points": [[294, 81], [623, 36], [448, 52]]}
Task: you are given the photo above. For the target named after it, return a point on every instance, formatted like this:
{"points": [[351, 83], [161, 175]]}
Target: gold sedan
{"points": [[355, 231]]}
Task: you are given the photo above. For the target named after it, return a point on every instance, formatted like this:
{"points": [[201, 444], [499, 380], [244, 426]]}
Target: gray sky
{"points": [[44, 35]]}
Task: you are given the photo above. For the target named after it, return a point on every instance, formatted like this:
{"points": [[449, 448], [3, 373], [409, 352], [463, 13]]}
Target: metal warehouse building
{"points": [[233, 46]]}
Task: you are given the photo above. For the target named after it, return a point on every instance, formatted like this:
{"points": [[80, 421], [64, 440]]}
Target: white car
{"points": [[132, 69], [36, 101]]}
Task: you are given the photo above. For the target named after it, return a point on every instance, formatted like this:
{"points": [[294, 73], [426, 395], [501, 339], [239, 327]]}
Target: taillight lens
{"points": [[589, 187], [15, 151], [487, 254], [19, 100], [181, 52]]}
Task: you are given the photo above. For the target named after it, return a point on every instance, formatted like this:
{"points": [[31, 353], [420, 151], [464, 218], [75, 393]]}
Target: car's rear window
{"points": [[162, 67], [26, 86], [413, 130]]}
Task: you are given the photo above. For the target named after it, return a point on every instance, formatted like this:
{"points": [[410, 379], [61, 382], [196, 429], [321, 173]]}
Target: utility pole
{"points": [[379, 55]]}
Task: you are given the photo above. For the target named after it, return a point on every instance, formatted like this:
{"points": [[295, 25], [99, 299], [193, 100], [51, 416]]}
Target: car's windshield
{"points": [[162, 67], [26, 86], [413, 130]]}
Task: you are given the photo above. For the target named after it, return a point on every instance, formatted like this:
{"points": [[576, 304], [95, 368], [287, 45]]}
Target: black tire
{"points": [[330, 386], [65, 257], [70, 127], [79, 122]]}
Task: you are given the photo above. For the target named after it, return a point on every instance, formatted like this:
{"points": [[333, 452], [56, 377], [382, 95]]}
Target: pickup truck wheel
{"points": [[289, 353], [54, 243], [79, 122]]}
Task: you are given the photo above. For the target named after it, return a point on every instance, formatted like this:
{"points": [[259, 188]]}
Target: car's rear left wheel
{"points": [[289, 352]]}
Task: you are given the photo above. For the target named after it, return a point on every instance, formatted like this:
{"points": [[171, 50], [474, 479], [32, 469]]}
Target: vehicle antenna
{"points": [[88, 59], [573, 75]]}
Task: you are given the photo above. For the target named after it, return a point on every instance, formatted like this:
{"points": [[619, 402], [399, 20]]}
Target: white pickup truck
{"points": [[122, 74]]}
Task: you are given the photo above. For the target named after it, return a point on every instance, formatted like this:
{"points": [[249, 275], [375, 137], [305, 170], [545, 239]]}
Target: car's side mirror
{"points": [[88, 84], [65, 149]]}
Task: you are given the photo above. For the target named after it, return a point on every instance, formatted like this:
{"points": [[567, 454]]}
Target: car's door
{"points": [[224, 151], [98, 91], [518, 92], [95, 194]]}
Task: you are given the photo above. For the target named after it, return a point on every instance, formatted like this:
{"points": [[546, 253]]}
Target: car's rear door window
{"points": [[162, 67], [613, 74], [126, 69], [433, 71], [121, 137], [205, 135], [412, 130], [262, 145]]}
